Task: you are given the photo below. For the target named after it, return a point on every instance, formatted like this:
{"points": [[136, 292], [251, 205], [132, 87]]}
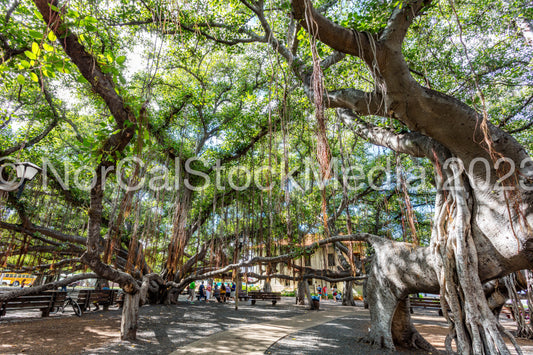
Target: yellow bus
{"points": [[16, 279]]}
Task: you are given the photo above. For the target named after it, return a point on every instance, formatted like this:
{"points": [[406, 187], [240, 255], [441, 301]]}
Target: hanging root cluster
{"points": [[524, 329], [473, 326], [317, 81]]}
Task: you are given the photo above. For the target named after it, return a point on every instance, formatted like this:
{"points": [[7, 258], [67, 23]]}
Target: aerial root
{"points": [[511, 338]]}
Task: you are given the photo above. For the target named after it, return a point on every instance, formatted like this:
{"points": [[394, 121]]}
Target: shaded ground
{"points": [[343, 335], [58, 335], [163, 329]]}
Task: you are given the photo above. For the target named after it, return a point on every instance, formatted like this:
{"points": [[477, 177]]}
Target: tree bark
{"points": [[347, 296], [238, 290], [308, 295], [130, 315], [267, 287], [300, 292]]}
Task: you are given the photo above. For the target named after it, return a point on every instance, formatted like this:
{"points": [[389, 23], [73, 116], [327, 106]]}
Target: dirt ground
{"points": [[59, 335], [98, 331]]}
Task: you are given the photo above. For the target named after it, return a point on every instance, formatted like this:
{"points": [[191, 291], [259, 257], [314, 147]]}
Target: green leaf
{"points": [[36, 34], [121, 59], [81, 79], [51, 36], [34, 77], [89, 27], [61, 68], [25, 63], [35, 48], [38, 14], [30, 55], [73, 13], [48, 47], [91, 19], [21, 79]]}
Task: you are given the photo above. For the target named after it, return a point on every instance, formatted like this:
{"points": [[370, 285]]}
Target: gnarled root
{"points": [[404, 334]]}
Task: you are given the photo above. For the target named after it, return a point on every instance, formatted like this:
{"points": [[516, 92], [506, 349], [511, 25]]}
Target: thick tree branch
{"points": [[400, 20], [305, 277], [337, 37], [363, 103], [275, 259], [31, 229], [50, 286], [412, 143], [125, 120], [101, 83]]}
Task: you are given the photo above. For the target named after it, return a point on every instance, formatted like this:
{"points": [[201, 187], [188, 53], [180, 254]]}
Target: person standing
{"points": [[319, 291], [208, 289], [228, 291], [233, 287], [201, 291], [223, 292], [325, 292], [216, 293], [334, 291], [192, 287]]}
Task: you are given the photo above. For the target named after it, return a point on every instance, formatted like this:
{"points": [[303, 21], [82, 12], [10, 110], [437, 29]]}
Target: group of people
{"points": [[222, 292], [323, 293]]}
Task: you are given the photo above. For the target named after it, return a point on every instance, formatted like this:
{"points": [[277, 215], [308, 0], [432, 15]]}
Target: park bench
{"points": [[243, 296], [264, 296], [45, 301], [103, 298], [425, 302]]}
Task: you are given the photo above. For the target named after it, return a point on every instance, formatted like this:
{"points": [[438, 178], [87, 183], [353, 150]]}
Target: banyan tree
{"points": [[239, 89]]}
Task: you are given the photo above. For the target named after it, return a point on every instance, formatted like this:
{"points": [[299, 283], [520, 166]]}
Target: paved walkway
{"points": [[257, 338]]}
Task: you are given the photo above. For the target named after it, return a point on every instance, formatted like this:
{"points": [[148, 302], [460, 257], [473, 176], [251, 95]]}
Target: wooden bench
{"points": [[425, 302], [264, 296], [243, 296], [44, 301], [103, 298]]}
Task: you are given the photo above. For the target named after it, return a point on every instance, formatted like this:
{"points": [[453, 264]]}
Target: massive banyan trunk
{"points": [[474, 326], [484, 212], [449, 265]]}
